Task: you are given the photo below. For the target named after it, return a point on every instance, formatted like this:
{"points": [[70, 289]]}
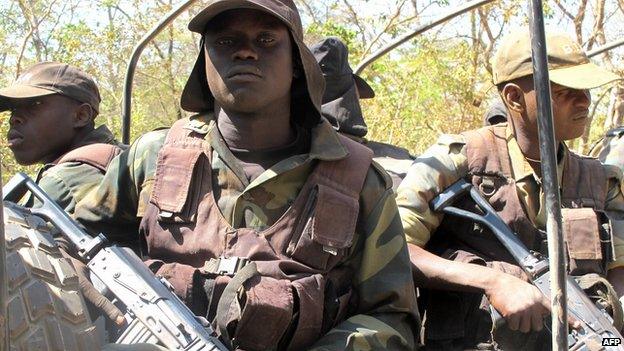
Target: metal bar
{"points": [[558, 297], [134, 59], [608, 46], [421, 29], [4, 328]]}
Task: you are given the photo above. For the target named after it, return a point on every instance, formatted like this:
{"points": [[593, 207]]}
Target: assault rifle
{"points": [[154, 313], [596, 324]]}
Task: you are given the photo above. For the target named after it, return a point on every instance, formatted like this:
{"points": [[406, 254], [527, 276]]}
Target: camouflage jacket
{"points": [[446, 162], [386, 315], [395, 160], [68, 182], [610, 149]]}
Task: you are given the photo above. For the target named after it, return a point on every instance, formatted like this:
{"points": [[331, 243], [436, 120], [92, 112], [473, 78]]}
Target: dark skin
{"points": [[520, 303], [44, 128], [249, 69], [570, 113]]}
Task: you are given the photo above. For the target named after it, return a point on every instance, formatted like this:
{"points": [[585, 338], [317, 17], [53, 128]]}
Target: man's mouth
{"points": [[580, 116], [244, 73], [14, 138]]}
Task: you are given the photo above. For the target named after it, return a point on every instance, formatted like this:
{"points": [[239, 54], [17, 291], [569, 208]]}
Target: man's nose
{"points": [[245, 50], [15, 119], [583, 98]]}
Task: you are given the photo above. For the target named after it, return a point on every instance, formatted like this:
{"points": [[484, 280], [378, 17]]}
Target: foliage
{"points": [[436, 83]]}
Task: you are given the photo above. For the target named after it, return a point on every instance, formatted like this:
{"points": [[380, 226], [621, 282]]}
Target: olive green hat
{"points": [[197, 97], [568, 65], [49, 78]]}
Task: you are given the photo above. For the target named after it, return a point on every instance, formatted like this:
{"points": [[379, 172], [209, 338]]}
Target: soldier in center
{"points": [[280, 230], [472, 272]]}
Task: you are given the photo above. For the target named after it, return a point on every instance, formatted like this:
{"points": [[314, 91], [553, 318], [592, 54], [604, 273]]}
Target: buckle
{"points": [[225, 265]]}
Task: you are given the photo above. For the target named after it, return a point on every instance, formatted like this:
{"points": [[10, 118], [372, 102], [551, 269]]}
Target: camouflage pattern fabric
{"points": [[610, 149], [386, 317], [395, 160], [446, 162], [68, 182]]}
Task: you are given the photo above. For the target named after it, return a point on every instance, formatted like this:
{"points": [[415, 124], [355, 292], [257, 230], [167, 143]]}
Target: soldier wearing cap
{"points": [[341, 106], [263, 218], [53, 108], [472, 271]]}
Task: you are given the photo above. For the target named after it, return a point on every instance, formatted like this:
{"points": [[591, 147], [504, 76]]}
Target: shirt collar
{"points": [[325, 144], [520, 166], [100, 135]]}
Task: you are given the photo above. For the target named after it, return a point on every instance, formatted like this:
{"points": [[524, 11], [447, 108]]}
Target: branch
{"points": [[564, 10], [386, 28], [356, 20]]}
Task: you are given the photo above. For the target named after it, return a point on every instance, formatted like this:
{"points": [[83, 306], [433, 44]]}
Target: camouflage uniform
{"points": [[68, 182], [610, 149], [446, 162], [439, 167], [385, 316]]}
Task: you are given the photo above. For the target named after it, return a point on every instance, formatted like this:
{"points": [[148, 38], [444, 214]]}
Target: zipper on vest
{"points": [[304, 220]]}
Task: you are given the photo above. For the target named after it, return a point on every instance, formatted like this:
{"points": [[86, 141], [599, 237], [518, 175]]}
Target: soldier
{"points": [[53, 108], [610, 149], [341, 106], [261, 216], [474, 271]]}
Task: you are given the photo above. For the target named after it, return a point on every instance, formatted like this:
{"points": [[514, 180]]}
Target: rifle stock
{"points": [[154, 312], [596, 324]]}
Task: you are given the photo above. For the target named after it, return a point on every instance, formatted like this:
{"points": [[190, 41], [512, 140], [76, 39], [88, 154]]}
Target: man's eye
{"points": [[225, 41], [266, 40]]}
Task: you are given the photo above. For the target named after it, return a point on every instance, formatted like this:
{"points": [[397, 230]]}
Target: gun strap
{"points": [[599, 288], [229, 308]]}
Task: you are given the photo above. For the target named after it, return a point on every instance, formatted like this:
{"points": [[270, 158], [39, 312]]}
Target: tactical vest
{"points": [[98, 155], [583, 194], [298, 287]]}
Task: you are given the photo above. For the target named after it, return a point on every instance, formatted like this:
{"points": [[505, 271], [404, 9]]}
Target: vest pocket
{"points": [[328, 231], [174, 179], [581, 228]]}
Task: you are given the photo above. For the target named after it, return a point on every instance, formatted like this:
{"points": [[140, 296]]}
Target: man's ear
{"points": [[513, 96], [84, 115]]}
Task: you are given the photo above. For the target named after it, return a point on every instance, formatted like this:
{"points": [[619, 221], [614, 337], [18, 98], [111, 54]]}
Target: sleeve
{"points": [[116, 205], [58, 191], [614, 209], [440, 166], [386, 317]]}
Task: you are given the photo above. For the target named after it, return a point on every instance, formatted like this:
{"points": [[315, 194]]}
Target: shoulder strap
{"points": [[348, 174], [98, 155], [486, 149], [584, 182], [174, 168], [182, 137]]}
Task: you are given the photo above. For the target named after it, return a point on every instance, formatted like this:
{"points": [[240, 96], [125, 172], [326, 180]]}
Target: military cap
{"points": [[333, 57], [49, 78], [197, 97], [568, 64]]}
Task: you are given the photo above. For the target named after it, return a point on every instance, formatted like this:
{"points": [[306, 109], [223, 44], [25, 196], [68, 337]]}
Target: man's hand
{"points": [[521, 304], [92, 295]]}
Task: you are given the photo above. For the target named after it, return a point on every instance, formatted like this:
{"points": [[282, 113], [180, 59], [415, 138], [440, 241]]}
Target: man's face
{"points": [[570, 110], [41, 129], [248, 60]]}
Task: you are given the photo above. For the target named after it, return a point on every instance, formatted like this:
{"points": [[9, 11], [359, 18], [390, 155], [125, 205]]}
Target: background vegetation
{"points": [[437, 83]]}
